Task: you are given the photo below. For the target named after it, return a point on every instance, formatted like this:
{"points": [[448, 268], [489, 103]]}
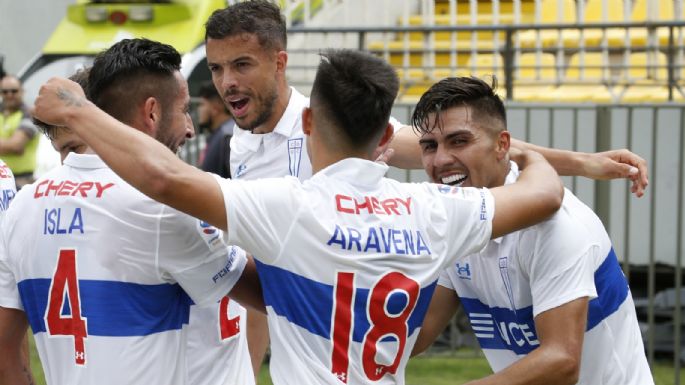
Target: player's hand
{"points": [[517, 156], [57, 99], [385, 156], [616, 164]]}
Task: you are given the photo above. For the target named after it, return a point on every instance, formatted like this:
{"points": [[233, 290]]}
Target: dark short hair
{"points": [[355, 91], [258, 17], [455, 92], [49, 130], [131, 71]]}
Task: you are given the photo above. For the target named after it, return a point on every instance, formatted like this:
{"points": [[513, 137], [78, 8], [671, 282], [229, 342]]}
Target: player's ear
{"points": [[151, 115], [281, 61], [307, 121], [387, 135], [503, 144]]}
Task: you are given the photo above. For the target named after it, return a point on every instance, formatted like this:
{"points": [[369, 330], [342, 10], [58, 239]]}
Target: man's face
{"points": [[463, 153], [176, 125], [11, 92], [246, 76], [65, 141]]}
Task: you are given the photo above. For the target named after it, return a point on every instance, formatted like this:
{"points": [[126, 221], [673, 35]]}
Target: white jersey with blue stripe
{"points": [[348, 262], [106, 276], [278, 153], [518, 276], [8, 189]]}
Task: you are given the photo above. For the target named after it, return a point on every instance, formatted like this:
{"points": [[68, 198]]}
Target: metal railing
{"points": [[426, 59]]}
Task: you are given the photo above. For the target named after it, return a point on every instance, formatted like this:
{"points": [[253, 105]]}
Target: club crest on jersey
{"points": [[210, 234], [294, 156], [240, 170]]}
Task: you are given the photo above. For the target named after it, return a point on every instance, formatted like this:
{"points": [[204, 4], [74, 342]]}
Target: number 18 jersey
{"points": [[348, 261], [104, 275]]}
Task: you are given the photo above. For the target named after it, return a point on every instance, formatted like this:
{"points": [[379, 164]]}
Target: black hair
{"points": [[355, 92], [454, 92], [131, 71], [259, 17]]}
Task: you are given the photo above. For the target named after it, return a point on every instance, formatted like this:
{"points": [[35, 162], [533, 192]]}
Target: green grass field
{"points": [[441, 369]]}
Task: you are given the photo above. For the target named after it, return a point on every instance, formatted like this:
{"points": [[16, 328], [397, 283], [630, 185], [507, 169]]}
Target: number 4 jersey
{"points": [[102, 273], [348, 261]]}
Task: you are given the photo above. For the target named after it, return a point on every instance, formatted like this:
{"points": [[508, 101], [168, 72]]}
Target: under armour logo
{"points": [[341, 376], [464, 272], [240, 171]]}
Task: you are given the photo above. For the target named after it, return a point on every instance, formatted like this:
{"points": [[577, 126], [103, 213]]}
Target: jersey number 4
{"points": [[72, 323], [382, 323]]}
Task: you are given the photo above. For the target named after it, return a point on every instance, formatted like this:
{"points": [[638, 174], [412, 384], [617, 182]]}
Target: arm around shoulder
{"points": [[536, 195]]}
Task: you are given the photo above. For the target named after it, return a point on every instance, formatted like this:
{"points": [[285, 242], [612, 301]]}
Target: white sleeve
{"points": [[559, 259], [396, 124], [194, 254], [445, 281], [260, 213], [9, 291], [464, 218]]}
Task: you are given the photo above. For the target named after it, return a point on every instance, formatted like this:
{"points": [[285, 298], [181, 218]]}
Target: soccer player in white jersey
{"points": [[96, 265], [246, 54], [349, 258], [14, 367], [547, 306]]}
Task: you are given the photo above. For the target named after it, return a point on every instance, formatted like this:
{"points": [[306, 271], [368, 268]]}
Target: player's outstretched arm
{"points": [[406, 149], [612, 164], [557, 360], [13, 368], [536, 195], [442, 308], [138, 158]]}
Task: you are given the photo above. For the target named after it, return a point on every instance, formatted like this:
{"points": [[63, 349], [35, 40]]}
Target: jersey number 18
{"points": [[382, 323]]}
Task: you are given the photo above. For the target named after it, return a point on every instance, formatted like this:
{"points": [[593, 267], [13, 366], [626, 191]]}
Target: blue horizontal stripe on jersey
{"points": [[612, 290], [504, 328], [114, 309], [309, 304]]}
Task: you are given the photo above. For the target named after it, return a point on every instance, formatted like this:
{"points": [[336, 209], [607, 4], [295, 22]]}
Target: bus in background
{"points": [[91, 26]]}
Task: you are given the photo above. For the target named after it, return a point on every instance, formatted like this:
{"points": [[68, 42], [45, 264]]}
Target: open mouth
{"points": [[239, 106], [454, 180]]}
